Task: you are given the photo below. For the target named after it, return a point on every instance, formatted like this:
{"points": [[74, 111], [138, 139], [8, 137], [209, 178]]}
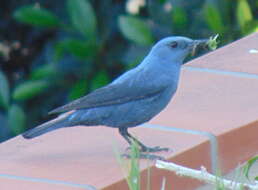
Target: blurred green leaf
{"points": [[133, 178], [248, 166], [16, 119], [29, 89], [44, 71], [80, 49], [78, 90], [162, 1], [136, 30], [244, 14], [250, 27], [82, 17], [213, 42], [99, 80], [132, 168], [36, 16], [213, 18], [179, 18], [4, 90]]}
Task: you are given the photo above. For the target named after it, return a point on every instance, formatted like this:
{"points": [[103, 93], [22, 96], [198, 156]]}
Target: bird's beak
{"points": [[198, 43]]}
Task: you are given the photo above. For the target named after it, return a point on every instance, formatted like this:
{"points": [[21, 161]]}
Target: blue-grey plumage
{"points": [[133, 98]]}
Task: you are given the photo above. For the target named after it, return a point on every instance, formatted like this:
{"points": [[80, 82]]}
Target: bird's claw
{"points": [[154, 149], [145, 156], [150, 149]]}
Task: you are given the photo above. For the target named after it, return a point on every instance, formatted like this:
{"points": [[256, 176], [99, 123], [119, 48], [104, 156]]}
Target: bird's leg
{"points": [[145, 148], [128, 137], [123, 132]]}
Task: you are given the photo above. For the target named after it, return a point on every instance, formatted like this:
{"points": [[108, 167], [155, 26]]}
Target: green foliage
{"points": [[79, 48], [100, 79], [36, 16], [213, 43], [16, 119], [42, 72], [29, 89], [219, 185], [82, 17], [78, 90], [133, 178], [248, 166], [136, 30], [244, 15], [131, 168], [4, 91], [213, 18], [179, 18]]}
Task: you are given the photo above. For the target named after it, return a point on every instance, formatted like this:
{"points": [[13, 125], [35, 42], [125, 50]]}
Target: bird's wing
{"points": [[117, 93]]}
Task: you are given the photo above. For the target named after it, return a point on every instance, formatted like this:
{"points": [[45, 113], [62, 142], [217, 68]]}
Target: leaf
{"points": [[179, 18], [131, 168], [78, 90], [29, 89], [82, 17], [99, 80], [80, 49], [136, 30], [243, 13], [248, 166], [16, 119], [250, 27], [36, 16], [213, 18], [162, 1], [4, 90], [133, 178], [44, 71], [213, 43]]}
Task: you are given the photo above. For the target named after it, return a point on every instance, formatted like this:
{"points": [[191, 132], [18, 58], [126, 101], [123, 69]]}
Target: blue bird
{"points": [[133, 98]]}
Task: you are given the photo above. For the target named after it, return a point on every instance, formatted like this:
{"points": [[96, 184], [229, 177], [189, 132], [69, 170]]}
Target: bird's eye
{"points": [[173, 44]]}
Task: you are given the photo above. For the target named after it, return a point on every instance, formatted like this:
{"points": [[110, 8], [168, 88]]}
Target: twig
{"points": [[203, 175]]}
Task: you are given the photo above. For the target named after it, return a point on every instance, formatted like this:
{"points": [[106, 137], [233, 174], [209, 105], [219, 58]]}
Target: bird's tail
{"points": [[51, 125]]}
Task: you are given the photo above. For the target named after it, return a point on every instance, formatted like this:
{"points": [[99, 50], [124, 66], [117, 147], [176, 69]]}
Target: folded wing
{"points": [[112, 94]]}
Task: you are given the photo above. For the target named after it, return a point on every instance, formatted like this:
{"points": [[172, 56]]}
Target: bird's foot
{"points": [[153, 149], [150, 149], [145, 156]]}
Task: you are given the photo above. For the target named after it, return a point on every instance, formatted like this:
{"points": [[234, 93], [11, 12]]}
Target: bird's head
{"points": [[176, 49]]}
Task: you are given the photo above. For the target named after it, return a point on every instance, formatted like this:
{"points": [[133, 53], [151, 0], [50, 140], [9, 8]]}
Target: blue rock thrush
{"points": [[133, 98]]}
